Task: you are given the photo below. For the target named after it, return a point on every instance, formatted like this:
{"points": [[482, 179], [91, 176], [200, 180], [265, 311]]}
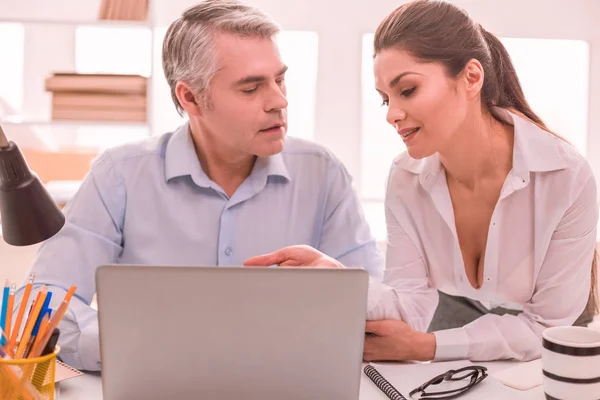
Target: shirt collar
{"points": [[181, 160], [535, 150]]}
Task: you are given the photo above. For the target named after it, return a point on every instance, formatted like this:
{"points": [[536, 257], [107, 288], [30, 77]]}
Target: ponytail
{"points": [[592, 305], [506, 92], [503, 88]]}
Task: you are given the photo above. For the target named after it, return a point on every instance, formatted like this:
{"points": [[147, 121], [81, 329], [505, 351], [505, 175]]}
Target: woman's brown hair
{"points": [[438, 31]]}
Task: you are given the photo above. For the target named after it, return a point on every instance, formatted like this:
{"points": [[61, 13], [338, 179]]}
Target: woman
{"points": [[491, 218]]}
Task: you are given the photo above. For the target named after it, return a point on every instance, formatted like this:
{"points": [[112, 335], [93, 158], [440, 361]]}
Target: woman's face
{"points": [[425, 106]]}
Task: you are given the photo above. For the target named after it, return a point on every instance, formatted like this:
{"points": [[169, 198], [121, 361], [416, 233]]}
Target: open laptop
{"points": [[225, 333]]}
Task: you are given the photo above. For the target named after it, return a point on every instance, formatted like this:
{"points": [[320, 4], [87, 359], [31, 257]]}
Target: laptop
{"points": [[225, 333]]}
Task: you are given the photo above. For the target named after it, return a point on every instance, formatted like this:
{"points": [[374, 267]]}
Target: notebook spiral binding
{"points": [[383, 384], [62, 364]]}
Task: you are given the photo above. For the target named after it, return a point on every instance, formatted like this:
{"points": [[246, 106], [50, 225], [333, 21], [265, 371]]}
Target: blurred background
{"points": [[327, 44]]}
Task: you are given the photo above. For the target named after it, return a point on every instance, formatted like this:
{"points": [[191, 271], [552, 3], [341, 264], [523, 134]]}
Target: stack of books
{"points": [[130, 10], [98, 97]]}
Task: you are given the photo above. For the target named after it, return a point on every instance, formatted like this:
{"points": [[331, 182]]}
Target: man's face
{"points": [[246, 112]]}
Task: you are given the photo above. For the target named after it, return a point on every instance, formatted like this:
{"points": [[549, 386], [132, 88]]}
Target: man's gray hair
{"points": [[189, 51]]}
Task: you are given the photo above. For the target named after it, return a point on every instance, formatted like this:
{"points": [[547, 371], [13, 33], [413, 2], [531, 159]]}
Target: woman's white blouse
{"points": [[538, 256]]}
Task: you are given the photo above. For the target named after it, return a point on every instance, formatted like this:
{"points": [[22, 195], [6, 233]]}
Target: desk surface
{"points": [[89, 386]]}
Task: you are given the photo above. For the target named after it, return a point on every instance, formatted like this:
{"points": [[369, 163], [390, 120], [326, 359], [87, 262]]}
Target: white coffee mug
{"points": [[571, 363]]}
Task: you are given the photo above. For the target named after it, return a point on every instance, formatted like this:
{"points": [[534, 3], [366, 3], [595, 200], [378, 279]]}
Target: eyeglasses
{"points": [[474, 373]]}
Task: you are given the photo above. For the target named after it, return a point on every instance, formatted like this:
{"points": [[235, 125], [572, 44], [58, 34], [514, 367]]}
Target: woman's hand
{"points": [[294, 256], [394, 340]]}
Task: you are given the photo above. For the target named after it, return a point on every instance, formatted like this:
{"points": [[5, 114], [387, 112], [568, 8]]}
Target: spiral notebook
{"points": [[64, 371], [396, 380]]}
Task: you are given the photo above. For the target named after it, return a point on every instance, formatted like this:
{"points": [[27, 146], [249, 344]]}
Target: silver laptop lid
{"points": [[224, 333]]}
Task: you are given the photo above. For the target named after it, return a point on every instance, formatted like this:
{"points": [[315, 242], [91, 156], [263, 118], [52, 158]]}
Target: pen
{"points": [[5, 293], [3, 350], [40, 371], [9, 311], [36, 327], [51, 342], [2, 336]]}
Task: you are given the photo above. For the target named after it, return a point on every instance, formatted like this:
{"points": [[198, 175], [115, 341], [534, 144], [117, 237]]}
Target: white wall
{"points": [[15, 262], [340, 25]]}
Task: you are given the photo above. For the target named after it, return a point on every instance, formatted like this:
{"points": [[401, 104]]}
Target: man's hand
{"points": [[294, 256]]}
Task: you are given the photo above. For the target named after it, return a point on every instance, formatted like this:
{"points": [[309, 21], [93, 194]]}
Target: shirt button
{"points": [[488, 279], [228, 251]]}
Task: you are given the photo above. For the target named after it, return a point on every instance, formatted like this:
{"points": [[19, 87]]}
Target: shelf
{"points": [[110, 22], [7, 121], [54, 135]]}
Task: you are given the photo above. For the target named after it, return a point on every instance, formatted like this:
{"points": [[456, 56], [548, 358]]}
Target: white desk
{"points": [[89, 386]]}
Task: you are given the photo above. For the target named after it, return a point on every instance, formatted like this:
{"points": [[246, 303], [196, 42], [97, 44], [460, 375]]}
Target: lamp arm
{"points": [[3, 139]]}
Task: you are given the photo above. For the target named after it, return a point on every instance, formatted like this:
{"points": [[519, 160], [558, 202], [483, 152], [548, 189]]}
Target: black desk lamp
{"points": [[29, 214]]}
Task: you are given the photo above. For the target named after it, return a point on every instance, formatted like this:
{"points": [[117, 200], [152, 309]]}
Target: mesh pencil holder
{"points": [[28, 378]]}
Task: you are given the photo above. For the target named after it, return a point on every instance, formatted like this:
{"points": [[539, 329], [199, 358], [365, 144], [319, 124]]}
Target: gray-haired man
{"points": [[224, 187]]}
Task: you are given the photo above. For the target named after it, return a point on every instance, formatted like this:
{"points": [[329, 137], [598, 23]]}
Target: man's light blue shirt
{"points": [[152, 203]]}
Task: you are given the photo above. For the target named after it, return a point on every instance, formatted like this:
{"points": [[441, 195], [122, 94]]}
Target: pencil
{"points": [[70, 293], [56, 318], [42, 331], [39, 302], [12, 341], [10, 372], [20, 387]]}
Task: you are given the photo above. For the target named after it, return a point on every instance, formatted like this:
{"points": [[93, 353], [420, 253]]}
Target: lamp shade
{"points": [[28, 212]]}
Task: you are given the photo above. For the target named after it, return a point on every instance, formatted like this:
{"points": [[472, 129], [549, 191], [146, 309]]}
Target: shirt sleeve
{"points": [[405, 292], [561, 291], [345, 234], [91, 237]]}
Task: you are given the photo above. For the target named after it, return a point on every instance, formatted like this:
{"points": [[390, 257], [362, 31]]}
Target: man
{"points": [[224, 187]]}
